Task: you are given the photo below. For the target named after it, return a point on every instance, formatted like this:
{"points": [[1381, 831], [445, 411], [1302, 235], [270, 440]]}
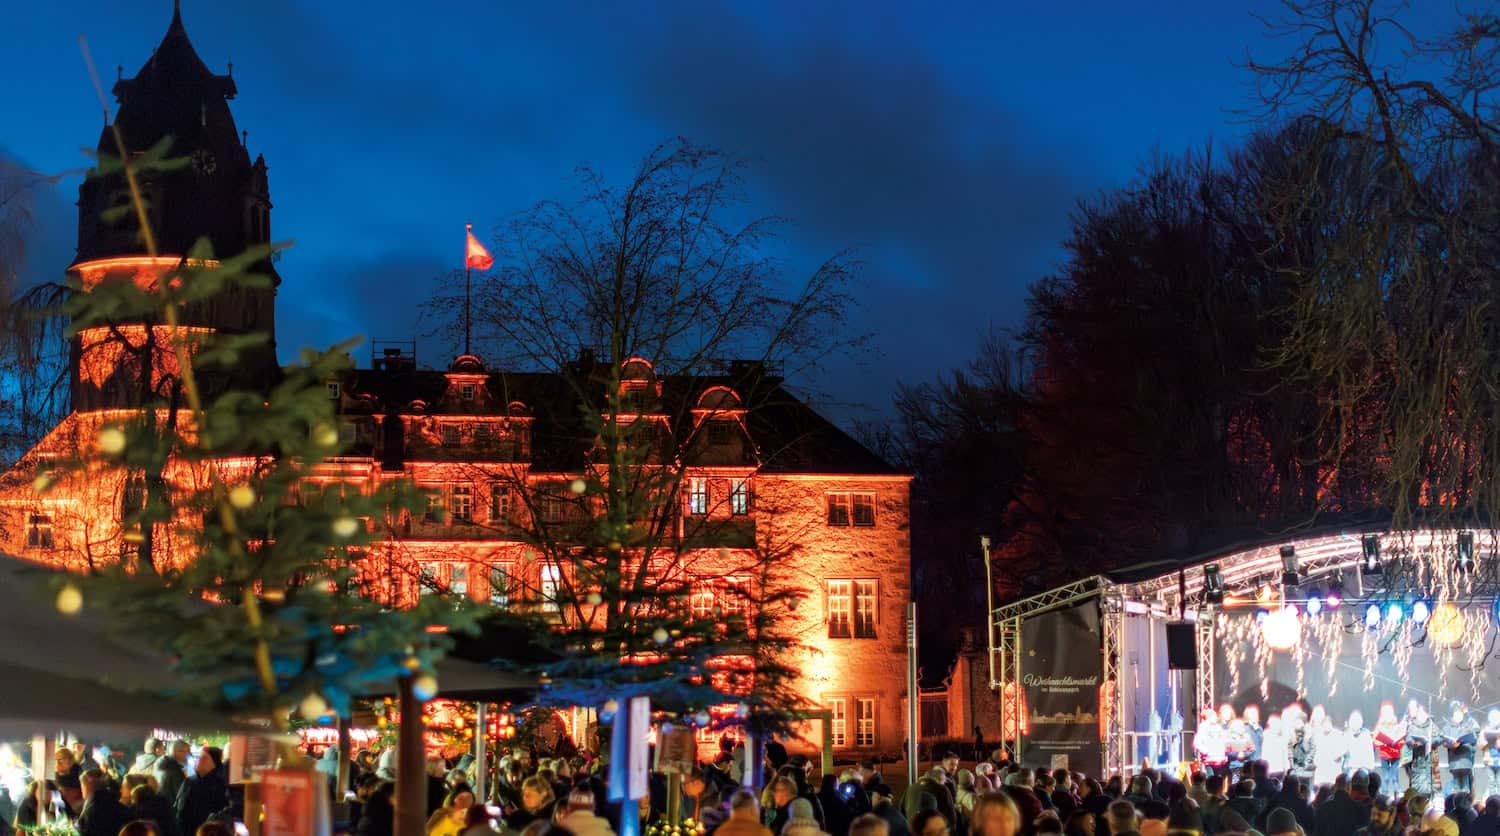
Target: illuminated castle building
{"points": [[495, 447]]}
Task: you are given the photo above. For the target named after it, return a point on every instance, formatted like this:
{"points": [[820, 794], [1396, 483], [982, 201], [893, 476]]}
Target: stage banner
{"points": [[1060, 674]]}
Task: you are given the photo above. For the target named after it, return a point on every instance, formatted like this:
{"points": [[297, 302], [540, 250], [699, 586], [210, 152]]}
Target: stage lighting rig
{"points": [[1370, 547], [1465, 562], [1213, 584], [1289, 575]]}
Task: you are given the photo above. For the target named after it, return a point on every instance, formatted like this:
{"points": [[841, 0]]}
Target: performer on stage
{"points": [[1460, 734], [1239, 746], [1302, 743], [1490, 738], [1390, 737], [1360, 743], [1418, 755], [1276, 747], [1208, 742], [1252, 719], [1329, 749]]}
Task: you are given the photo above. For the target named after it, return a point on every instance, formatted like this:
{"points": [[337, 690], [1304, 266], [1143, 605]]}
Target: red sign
{"points": [[290, 797]]}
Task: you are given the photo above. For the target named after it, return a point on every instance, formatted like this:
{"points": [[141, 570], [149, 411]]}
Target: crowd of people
{"points": [[172, 790], [169, 789]]}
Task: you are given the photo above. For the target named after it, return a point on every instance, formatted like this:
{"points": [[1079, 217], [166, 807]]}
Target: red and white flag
{"points": [[476, 257]]}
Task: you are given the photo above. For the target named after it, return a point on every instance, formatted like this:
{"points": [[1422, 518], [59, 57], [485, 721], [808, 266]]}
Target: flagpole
{"points": [[468, 228]]}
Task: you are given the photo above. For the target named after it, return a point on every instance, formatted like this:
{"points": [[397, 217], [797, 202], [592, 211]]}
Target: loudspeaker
{"points": [[1182, 646]]}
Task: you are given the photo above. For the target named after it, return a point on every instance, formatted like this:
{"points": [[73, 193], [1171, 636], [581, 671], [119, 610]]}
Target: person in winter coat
{"points": [[171, 770], [581, 820], [148, 804], [1341, 814], [1419, 738], [837, 815], [1209, 742], [1460, 735], [204, 795], [379, 815], [1390, 737], [1291, 799], [882, 806], [744, 817], [536, 803], [1329, 749], [146, 761], [451, 818], [477, 822], [103, 814], [1360, 745], [1383, 819]]}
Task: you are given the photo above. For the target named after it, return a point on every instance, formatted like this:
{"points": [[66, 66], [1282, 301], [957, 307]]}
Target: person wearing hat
{"points": [[881, 796], [1341, 814], [1281, 822]]}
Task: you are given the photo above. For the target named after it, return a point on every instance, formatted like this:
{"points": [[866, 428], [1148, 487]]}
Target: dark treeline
{"points": [[1147, 407]]}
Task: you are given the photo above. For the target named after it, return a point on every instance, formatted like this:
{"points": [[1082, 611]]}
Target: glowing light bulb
{"points": [[1314, 604], [1420, 612], [1372, 616], [1393, 613], [1281, 629], [69, 600]]}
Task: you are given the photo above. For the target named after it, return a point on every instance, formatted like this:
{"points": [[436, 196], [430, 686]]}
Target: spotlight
{"points": [[1370, 546], [1260, 615], [1289, 575], [1372, 615], [1465, 552], [1314, 603], [1393, 613], [1420, 611], [1213, 584], [1335, 592]]}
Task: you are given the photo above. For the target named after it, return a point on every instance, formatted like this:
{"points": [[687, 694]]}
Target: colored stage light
{"points": [[1314, 603], [1419, 612], [1260, 615], [1213, 584], [1393, 613], [1447, 627], [1372, 616]]}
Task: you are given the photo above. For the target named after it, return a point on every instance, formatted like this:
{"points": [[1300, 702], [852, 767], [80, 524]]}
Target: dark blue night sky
{"points": [[946, 142]]}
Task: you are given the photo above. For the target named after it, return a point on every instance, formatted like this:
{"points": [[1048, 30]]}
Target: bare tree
{"points": [[1392, 309], [632, 300]]}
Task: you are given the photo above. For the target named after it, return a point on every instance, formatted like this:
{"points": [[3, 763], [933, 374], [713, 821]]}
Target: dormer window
{"points": [[333, 390], [720, 432], [466, 391]]}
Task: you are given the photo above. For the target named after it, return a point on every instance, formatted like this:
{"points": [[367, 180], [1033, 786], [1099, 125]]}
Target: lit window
{"points": [[739, 497], [864, 609], [864, 729], [499, 504], [499, 586], [450, 435], [427, 581], [838, 610], [863, 508], [458, 579], [333, 390], [461, 503], [702, 600], [838, 509], [551, 586], [39, 532], [697, 496], [720, 432], [466, 391], [838, 710]]}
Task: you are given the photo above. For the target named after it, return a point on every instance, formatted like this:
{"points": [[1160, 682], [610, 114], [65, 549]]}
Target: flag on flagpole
{"points": [[475, 255]]}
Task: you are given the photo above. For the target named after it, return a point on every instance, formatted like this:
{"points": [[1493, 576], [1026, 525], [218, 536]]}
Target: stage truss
{"points": [[1423, 558]]}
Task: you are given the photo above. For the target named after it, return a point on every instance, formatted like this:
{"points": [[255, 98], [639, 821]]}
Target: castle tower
{"points": [[221, 195]]}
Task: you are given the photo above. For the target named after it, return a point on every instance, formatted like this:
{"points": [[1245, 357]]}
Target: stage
{"points": [[1344, 620]]}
